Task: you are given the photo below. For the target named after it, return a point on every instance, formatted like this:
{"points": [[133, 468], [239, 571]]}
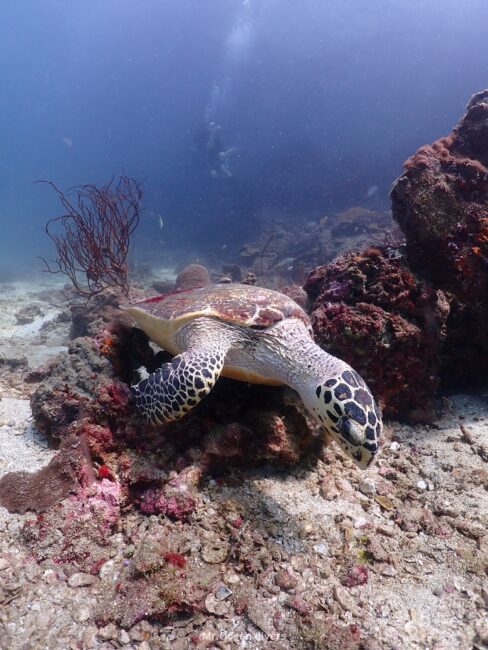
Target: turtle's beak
{"points": [[351, 438]]}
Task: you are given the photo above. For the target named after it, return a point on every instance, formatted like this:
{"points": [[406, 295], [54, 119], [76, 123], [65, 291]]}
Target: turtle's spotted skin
{"points": [[257, 335]]}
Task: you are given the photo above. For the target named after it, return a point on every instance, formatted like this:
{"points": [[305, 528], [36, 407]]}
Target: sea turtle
{"points": [[256, 335]]}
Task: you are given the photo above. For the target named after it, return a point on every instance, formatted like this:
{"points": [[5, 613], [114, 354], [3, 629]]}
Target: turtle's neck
{"points": [[290, 354]]}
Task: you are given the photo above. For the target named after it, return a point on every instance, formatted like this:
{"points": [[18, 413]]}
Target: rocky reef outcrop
{"points": [[410, 323], [371, 310], [85, 391], [441, 205], [286, 248], [83, 405]]}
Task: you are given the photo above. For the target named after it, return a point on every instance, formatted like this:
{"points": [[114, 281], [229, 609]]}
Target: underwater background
{"points": [[334, 150], [310, 107]]}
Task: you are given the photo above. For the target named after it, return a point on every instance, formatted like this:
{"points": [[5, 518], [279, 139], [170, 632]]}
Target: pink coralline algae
{"points": [[75, 531], [176, 499], [370, 310], [441, 204], [357, 575], [175, 559]]}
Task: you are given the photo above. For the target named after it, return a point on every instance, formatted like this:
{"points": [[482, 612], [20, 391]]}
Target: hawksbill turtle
{"points": [[256, 335]]}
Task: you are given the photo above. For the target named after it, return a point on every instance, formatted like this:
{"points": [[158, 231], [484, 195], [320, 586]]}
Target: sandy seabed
{"points": [[414, 527]]}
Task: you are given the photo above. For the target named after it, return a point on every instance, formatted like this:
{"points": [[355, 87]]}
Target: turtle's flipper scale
{"points": [[179, 385]]}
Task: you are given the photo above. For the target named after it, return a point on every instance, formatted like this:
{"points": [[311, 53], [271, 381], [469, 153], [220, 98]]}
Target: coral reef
{"points": [[86, 391], [79, 386], [372, 311], [287, 248], [441, 204], [101, 310], [139, 537], [28, 314], [37, 492]]}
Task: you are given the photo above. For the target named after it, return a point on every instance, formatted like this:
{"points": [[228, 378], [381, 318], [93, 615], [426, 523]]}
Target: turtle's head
{"points": [[344, 405]]}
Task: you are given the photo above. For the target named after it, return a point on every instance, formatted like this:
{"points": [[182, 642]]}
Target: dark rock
{"points": [[28, 314], [70, 388], [13, 362], [163, 286], [249, 279], [87, 319], [38, 491]]}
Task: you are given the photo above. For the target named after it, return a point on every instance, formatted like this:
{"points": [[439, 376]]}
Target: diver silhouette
{"points": [[210, 145]]}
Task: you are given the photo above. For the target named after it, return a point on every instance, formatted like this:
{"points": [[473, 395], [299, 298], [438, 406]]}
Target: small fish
{"points": [[224, 247], [372, 191], [323, 220], [286, 263], [67, 141], [161, 223]]}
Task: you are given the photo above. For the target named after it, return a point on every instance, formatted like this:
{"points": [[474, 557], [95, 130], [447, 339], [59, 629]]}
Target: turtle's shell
{"points": [[162, 317], [240, 304]]}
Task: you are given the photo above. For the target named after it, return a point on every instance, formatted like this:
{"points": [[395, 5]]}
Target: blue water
{"points": [[314, 103]]}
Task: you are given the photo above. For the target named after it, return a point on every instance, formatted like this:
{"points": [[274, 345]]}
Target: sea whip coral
{"points": [[92, 248]]}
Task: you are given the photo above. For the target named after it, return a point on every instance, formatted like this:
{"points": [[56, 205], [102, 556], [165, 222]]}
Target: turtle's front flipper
{"points": [[178, 386]]}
